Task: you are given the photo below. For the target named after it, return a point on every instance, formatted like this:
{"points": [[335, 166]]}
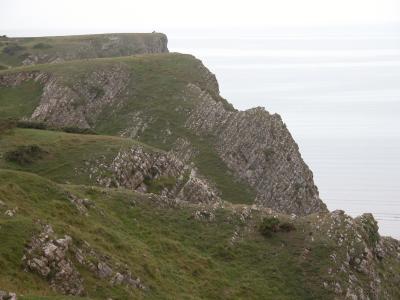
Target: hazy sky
{"points": [[25, 17]]}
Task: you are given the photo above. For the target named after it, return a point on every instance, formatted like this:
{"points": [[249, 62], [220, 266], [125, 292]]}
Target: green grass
{"points": [[19, 101], [175, 256], [67, 154], [214, 168]]}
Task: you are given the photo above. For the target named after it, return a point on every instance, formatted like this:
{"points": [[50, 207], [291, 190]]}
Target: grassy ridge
{"points": [[14, 50], [162, 246]]}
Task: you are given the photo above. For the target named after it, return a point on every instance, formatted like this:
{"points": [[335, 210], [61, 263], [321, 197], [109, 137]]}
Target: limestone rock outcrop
{"points": [[258, 147], [47, 256], [155, 171], [50, 257]]}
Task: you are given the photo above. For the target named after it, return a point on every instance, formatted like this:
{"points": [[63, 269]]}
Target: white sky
{"points": [[23, 17]]}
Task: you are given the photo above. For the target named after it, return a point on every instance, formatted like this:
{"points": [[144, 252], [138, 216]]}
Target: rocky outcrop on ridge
{"points": [[258, 147], [154, 171], [47, 256], [357, 254], [361, 264], [56, 259]]}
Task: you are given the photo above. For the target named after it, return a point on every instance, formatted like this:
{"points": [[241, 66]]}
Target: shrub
{"points": [[156, 185], [12, 49], [44, 126], [25, 155], [42, 46], [78, 130], [287, 227], [2, 67], [269, 225], [7, 124], [32, 124]]}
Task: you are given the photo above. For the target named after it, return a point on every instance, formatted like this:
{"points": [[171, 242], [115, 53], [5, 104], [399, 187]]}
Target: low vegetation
{"points": [[44, 126], [42, 46], [7, 124], [13, 49], [271, 225], [156, 185], [25, 155]]}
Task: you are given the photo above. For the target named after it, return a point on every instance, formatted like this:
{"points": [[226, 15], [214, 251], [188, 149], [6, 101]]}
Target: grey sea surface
{"points": [[338, 93]]}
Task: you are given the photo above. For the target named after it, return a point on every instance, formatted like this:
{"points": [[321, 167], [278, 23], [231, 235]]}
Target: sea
{"points": [[337, 90]]}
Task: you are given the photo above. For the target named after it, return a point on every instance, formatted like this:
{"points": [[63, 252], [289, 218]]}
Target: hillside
{"points": [[131, 177], [212, 252], [39, 50], [171, 101]]}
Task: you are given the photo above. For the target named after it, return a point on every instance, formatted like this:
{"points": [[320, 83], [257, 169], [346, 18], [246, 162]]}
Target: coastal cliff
{"points": [[124, 174]]}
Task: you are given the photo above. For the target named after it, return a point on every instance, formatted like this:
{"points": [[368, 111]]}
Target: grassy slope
{"points": [[155, 90], [21, 101], [174, 255], [67, 153]]}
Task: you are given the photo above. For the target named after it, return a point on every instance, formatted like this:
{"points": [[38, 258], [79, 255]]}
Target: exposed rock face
{"points": [[260, 150], [139, 170], [62, 105], [47, 256]]}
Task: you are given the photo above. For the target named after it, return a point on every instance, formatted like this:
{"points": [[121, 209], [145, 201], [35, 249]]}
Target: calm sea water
{"points": [[339, 94]]}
